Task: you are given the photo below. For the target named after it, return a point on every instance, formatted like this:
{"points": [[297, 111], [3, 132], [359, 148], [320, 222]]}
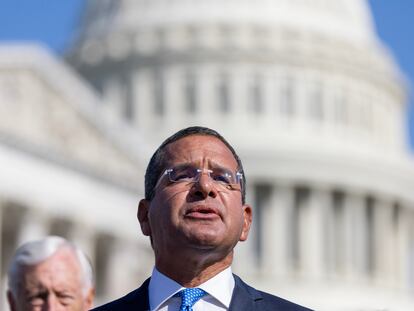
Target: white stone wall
{"points": [[349, 246], [63, 173], [39, 197]]}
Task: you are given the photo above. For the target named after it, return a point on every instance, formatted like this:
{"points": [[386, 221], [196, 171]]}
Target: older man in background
{"points": [[50, 274]]}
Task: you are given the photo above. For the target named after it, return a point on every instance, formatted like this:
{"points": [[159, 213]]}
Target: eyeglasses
{"points": [[189, 174]]}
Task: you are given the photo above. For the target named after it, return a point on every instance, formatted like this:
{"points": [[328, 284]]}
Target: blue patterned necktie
{"points": [[189, 297]]}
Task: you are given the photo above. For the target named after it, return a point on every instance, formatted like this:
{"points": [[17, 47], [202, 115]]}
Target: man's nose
{"points": [[204, 187], [53, 304]]}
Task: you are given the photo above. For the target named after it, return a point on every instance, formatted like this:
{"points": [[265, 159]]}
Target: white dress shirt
{"points": [[219, 289]]}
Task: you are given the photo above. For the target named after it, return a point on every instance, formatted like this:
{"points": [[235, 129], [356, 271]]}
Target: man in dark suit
{"points": [[194, 213]]}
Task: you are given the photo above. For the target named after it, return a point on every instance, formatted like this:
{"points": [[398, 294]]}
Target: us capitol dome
{"points": [[306, 93]]}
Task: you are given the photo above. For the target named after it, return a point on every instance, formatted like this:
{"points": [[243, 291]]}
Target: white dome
{"points": [[317, 62], [349, 19]]}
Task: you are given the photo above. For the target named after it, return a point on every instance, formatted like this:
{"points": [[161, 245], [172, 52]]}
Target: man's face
{"points": [[54, 284], [200, 216]]}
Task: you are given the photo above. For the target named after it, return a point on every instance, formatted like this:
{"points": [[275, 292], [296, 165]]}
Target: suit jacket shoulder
{"points": [[136, 300], [246, 298]]}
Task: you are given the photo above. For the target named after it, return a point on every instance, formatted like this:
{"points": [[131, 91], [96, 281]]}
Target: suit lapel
{"points": [[138, 300], [244, 296]]}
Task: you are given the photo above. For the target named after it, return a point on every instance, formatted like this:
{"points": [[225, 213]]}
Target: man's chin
{"points": [[204, 240], [211, 245]]}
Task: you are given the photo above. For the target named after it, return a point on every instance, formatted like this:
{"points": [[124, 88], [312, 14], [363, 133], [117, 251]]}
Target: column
{"points": [[124, 267], [411, 254], [3, 278], [22, 224], [269, 98], [276, 223], [384, 241], [103, 251], [114, 96], [312, 237], [355, 236], [404, 236], [114, 274], [335, 236], [143, 98], [9, 230], [82, 235], [239, 95], [1, 243], [349, 227], [174, 100], [206, 94], [33, 226]]}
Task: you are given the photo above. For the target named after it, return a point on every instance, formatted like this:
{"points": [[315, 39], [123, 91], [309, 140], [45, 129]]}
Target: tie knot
{"points": [[189, 297]]}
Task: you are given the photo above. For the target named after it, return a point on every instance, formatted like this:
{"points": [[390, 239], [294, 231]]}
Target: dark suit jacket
{"points": [[245, 298]]}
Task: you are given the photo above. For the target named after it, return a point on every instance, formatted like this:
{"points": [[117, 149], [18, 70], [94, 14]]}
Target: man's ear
{"points": [[247, 221], [12, 302], [90, 296], [142, 215]]}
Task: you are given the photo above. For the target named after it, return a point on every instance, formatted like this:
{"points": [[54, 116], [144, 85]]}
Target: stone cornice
{"points": [[85, 135], [55, 158]]}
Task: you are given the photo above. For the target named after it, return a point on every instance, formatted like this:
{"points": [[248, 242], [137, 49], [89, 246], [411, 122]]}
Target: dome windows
{"points": [[286, 100], [223, 93], [159, 93], [255, 98], [190, 90]]}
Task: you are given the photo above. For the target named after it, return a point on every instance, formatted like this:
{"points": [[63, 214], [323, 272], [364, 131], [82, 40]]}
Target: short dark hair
{"points": [[157, 163]]}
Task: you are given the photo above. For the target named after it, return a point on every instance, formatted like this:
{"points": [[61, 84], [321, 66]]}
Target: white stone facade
{"points": [[64, 170], [303, 89]]}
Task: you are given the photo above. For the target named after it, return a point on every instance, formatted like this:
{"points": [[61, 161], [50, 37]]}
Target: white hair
{"points": [[35, 252]]}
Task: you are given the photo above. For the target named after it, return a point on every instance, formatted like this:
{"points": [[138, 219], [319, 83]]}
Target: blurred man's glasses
{"points": [[189, 174]]}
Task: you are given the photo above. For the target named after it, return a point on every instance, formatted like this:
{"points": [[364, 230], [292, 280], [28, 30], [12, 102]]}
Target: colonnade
{"points": [[323, 233], [298, 231]]}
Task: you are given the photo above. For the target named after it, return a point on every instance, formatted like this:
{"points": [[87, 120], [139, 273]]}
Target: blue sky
{"points": [[53, 21], [394, 21]]}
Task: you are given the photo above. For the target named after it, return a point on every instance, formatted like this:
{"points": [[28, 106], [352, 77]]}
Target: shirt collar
{"points": [[161, 288], [220, 286]]}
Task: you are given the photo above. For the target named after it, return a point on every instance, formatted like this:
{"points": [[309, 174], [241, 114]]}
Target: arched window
{"points": [[286, 97], [223, 93], [255, 100], [315, 103], [159, 96], [190, 92]]}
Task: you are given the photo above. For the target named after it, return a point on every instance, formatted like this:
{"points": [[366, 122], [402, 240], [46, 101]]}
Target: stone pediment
{"points": [[46, 109]]}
